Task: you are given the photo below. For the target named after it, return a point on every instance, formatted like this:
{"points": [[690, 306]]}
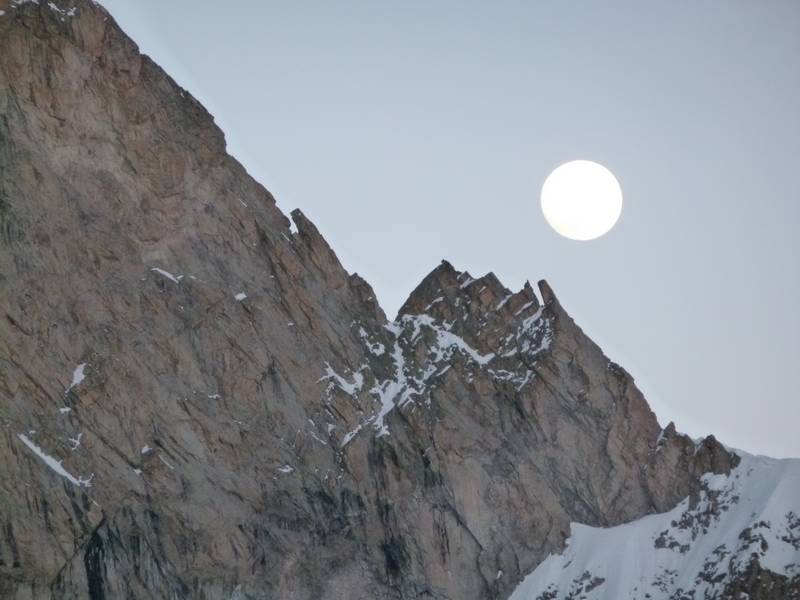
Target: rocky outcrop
{"points": [[197, 400]]}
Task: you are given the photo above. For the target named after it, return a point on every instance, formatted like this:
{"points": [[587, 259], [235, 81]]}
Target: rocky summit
{"points": [[198, 401]]}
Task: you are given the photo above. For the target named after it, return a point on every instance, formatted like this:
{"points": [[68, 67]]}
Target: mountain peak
{"points": [[456, 297], [199, 401]]}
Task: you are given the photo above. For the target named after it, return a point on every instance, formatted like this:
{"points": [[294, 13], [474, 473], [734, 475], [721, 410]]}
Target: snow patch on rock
{"points": [[78, 375], [55, 464], [167, 274], [423, 349]]}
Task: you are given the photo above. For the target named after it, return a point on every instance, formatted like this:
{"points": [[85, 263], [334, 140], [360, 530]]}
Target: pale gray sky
{"points": [[415, 131]]}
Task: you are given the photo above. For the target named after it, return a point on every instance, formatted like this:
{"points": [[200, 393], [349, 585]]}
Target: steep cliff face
{"points": [[198, 401]]}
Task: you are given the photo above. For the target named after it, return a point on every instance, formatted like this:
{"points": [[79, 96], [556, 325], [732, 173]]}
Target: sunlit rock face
{"points": [[198, 401]]}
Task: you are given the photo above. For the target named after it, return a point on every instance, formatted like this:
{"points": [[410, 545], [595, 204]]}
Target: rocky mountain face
{"points": [[198, 401]]}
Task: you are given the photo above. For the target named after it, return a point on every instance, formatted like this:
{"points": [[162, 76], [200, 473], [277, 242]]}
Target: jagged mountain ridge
{"points": [[198, 401]]}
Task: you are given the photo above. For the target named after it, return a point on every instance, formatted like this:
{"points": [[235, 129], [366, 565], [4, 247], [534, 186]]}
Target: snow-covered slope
{"points": [[697, 550]]}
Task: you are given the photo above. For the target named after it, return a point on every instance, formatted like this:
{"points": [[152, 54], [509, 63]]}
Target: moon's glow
{"points": [[581, 200]]}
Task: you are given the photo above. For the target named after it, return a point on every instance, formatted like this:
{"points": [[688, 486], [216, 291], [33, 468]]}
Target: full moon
{"points": [[581, 200]]}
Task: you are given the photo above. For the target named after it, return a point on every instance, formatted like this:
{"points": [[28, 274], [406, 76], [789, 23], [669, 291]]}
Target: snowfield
{"points": [[690, 551]]}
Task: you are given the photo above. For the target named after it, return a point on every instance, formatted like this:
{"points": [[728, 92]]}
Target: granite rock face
{"points": [[198, 401]]}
